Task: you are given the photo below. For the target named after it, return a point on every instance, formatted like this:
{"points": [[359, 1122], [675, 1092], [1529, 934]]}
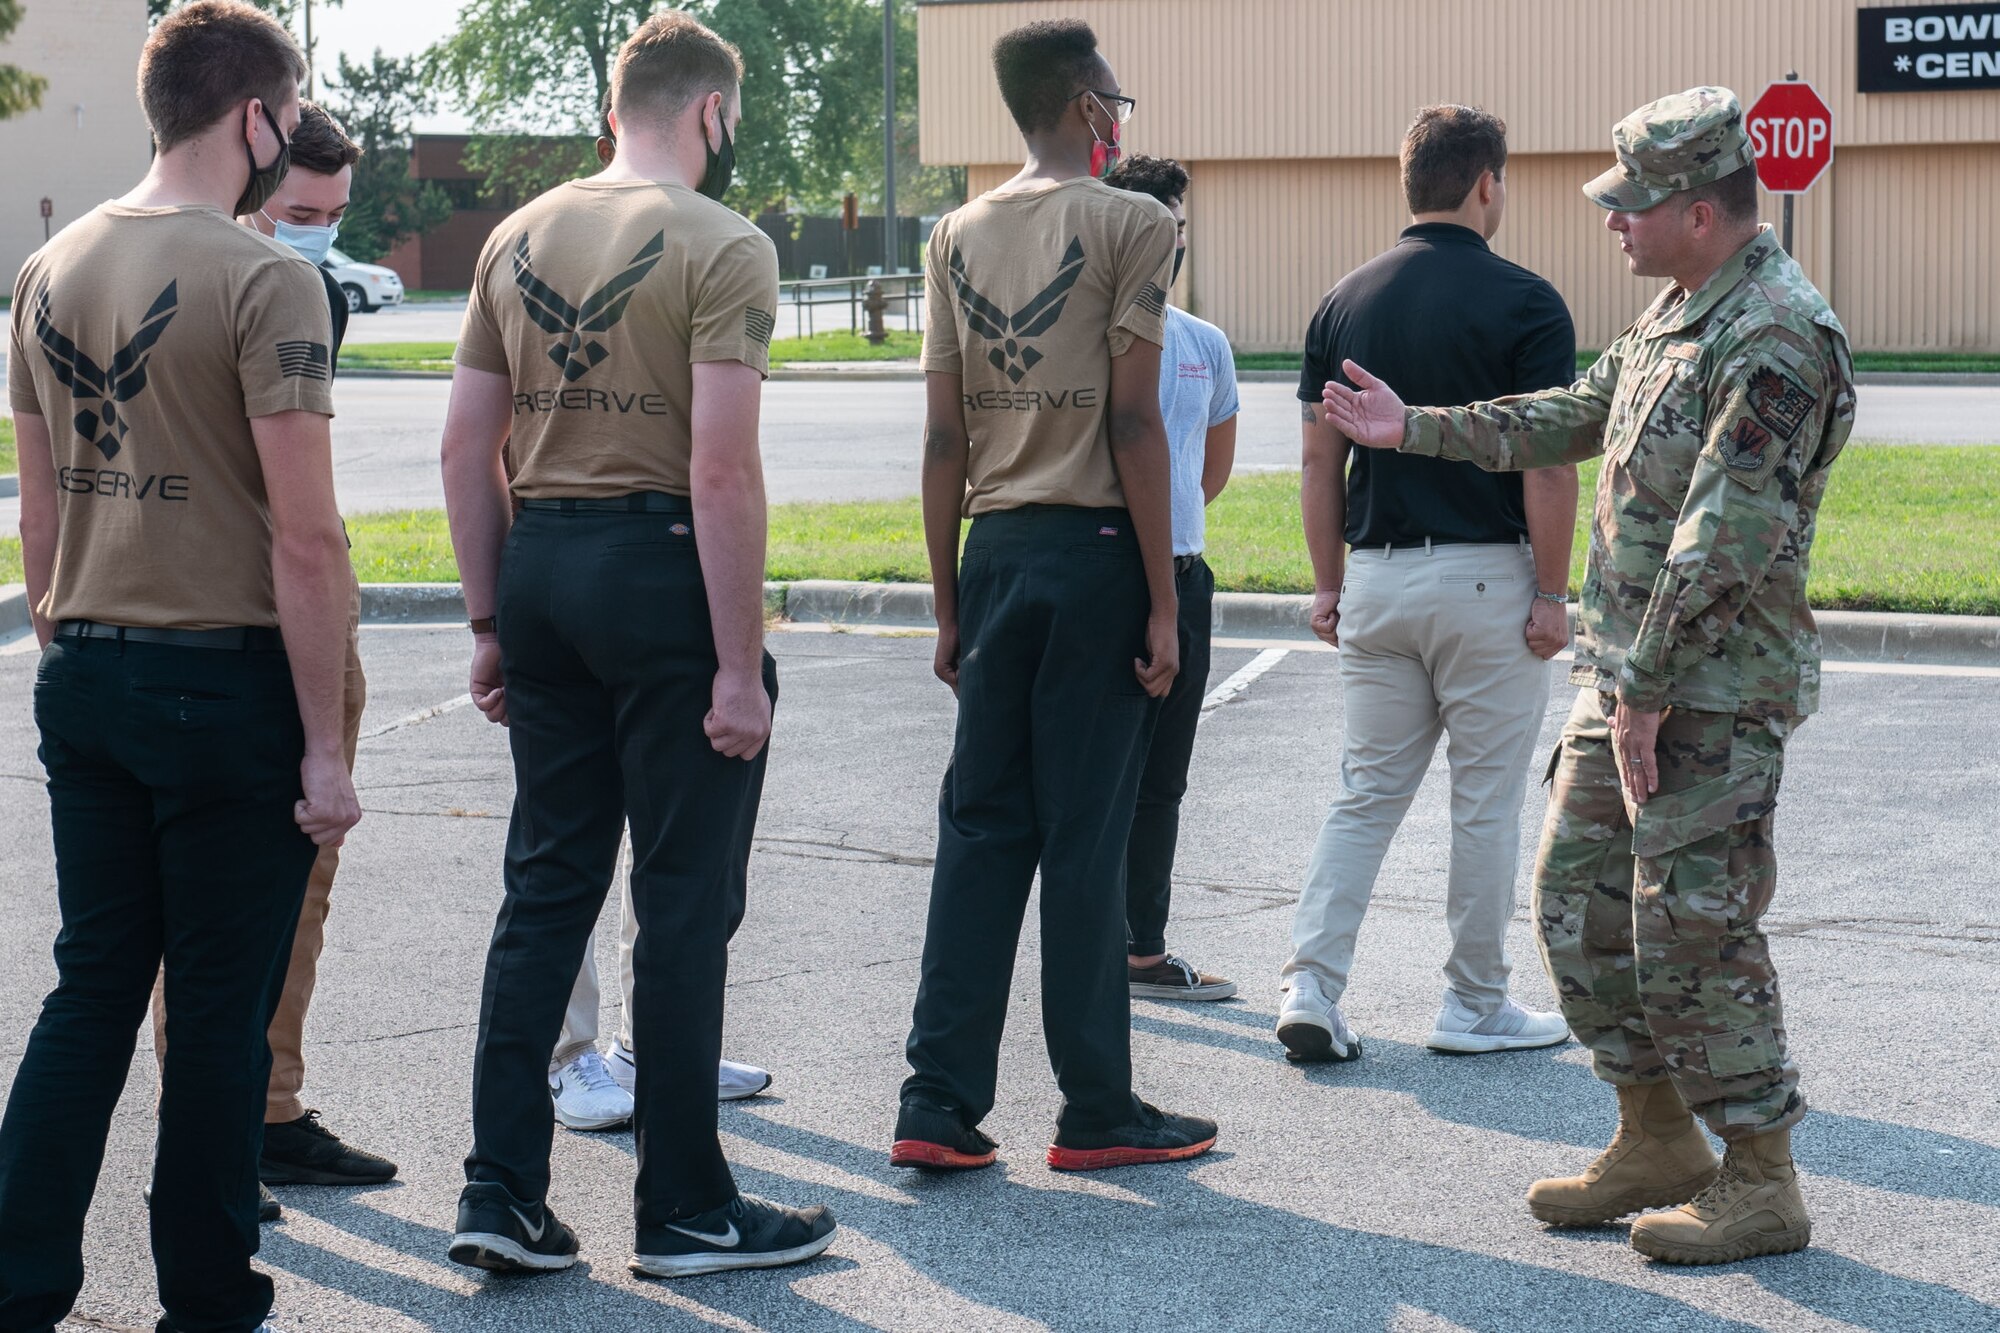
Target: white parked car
{"points": [[368, 286]]}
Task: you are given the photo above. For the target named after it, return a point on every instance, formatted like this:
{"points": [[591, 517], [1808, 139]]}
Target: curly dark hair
{"points": [[1162, 177], [1041, 66]]}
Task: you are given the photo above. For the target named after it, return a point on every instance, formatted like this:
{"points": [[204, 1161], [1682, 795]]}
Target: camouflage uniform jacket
{"points": [[1719, 415]]}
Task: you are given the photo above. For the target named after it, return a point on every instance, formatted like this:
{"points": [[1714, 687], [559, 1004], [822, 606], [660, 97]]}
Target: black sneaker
{"points": [[305, 1152], [1157, 1136], [499, 1233], [1175, 979], [934, 1139], [743, 1233], [267, 1202]]}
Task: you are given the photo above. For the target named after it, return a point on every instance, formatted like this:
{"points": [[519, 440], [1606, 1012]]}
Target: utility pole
{"points": [[309, 48], [891, 251]]}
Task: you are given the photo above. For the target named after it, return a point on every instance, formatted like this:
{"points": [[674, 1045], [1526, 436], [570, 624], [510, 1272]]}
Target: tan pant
{"points": [[580, 1024], [1431, 641], [287, 1035]]}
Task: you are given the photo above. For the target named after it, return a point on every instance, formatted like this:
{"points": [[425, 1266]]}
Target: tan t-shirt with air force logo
{"points": [[148, 338], [1030, 292], [595, 300]]}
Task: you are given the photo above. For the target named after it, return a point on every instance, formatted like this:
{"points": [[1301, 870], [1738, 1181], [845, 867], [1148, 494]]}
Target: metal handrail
{"points": [[899, 289]]}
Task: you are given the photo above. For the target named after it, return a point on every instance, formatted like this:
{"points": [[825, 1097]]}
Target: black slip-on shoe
{"points": [[1156, 1136], [501, 1234], [935, 1139], [306, 1152], [743, 1233]]}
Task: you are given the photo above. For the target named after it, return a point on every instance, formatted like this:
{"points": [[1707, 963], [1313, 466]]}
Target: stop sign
{"points": [[1792, 131]]}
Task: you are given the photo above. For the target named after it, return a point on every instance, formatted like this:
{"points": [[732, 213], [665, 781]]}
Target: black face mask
{"points": [[1179, 255], [264, 181], [721, 166]]}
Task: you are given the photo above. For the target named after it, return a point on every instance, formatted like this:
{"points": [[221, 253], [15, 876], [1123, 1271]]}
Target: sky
{"points": [[399, 27]]}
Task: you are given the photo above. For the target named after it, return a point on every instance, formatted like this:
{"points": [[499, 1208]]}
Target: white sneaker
{"points": [[1508, 1028], [587, 1097], [1311, 1026], [733, 1082]]}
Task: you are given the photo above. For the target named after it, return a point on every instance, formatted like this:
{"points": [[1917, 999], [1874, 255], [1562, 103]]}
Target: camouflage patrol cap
{"points": [[1674, 144]]}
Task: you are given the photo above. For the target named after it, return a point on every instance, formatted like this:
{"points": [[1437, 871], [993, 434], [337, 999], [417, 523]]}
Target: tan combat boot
{"points": [[1658, 1158], [1753, 1208]]}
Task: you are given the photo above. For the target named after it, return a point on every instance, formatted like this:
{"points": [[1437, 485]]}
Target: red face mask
{"points": [[1104, 156]]}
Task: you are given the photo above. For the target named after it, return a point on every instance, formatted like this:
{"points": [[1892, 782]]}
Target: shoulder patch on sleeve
{"points": [[1744, 445], [758, 325], [1779, 401], [1152, 299]]}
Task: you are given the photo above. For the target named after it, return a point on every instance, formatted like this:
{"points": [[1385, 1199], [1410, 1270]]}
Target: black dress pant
{"points": [[609, 661], [172, 776], [1052, 724], [1156, 820]]}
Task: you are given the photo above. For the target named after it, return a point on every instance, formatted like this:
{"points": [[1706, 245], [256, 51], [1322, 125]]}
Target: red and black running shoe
{"points": [[1156, 1136], [935, 1139]]}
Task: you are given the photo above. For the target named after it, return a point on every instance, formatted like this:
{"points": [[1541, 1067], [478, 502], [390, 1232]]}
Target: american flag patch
{"points": [[302, 360], [758, 324], [1107, 532]]}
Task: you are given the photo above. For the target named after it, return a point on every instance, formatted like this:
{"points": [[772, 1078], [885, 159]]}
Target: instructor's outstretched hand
{"points": [[1371, 415]]}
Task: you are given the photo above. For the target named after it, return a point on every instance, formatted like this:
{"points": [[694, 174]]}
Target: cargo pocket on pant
{"points": [[1670, 820]]}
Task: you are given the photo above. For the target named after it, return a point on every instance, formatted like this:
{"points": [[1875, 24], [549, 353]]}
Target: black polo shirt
{"points": [[1443, 321]]}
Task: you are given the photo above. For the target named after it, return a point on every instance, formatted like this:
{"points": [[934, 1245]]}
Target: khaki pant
{"points": [[1431, 641], [580, 1026], [287, 1033]]}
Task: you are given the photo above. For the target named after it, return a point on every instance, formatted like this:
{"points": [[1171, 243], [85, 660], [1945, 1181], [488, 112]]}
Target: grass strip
{"points": [[1904, 528], [9, 462], [784, 351]]}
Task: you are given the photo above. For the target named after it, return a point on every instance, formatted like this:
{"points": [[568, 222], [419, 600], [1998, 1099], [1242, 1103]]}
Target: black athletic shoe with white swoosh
{"points": [[743, 1233], [501, 1234]]}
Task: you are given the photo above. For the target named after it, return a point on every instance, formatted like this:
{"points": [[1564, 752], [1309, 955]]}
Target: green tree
{"points": [[377, 103], [811, 86], [19, 90]]}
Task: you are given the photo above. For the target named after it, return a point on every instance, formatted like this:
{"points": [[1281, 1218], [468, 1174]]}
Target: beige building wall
{"points": [[89, 142], [1289, 113]]}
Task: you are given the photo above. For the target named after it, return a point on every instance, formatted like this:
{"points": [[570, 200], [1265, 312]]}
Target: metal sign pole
{"points": [[1788, 223]]}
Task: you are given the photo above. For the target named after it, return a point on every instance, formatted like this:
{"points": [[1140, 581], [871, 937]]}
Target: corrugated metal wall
{"points": [[1295, 182]]}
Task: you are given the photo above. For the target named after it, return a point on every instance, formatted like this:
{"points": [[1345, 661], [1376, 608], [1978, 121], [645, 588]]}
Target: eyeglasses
{"points": [[1118, 108]]}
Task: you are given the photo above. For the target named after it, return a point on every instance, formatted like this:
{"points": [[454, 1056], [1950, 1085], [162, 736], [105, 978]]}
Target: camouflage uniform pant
{"points": [[1651, 933]]}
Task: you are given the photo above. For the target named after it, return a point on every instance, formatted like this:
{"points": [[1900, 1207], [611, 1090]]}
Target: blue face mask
{"points": [[312, 242]]}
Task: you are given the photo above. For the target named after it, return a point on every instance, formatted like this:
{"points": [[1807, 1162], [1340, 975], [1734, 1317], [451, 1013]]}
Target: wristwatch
{"points": [[481, 625], [1559, 598]]}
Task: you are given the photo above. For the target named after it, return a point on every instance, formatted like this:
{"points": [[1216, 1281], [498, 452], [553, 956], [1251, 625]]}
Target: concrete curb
{"points": [[1850, 636], [1855, 636]]}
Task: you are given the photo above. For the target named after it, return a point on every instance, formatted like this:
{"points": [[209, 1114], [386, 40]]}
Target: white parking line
{"points": [[1241, 681]]}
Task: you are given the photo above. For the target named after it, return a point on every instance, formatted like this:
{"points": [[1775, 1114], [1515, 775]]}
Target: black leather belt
{"points": [[236, 638], [1183, 563], [638, 502]]}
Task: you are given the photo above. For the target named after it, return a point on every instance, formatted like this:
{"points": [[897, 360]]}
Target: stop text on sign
{"points": [[1790, 136]]}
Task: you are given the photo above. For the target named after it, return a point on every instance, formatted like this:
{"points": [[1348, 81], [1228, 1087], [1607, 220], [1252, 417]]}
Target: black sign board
{"points": [[1928, 48]]}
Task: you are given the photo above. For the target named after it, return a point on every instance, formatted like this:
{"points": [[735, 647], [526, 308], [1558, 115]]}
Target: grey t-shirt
{"points": [[1197, 390]]}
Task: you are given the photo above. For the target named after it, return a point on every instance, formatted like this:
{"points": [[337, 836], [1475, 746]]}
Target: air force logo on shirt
{"points": [[99, 393]]}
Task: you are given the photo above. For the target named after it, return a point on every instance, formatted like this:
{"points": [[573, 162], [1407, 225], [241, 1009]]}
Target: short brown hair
{"points": [[1734, 197], [1446, 151], [670, 61], [207, 59], [319, 144]]}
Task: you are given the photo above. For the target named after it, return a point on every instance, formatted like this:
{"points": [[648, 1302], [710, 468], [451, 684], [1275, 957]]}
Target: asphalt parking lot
{"points": [[1379, 1195]]}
